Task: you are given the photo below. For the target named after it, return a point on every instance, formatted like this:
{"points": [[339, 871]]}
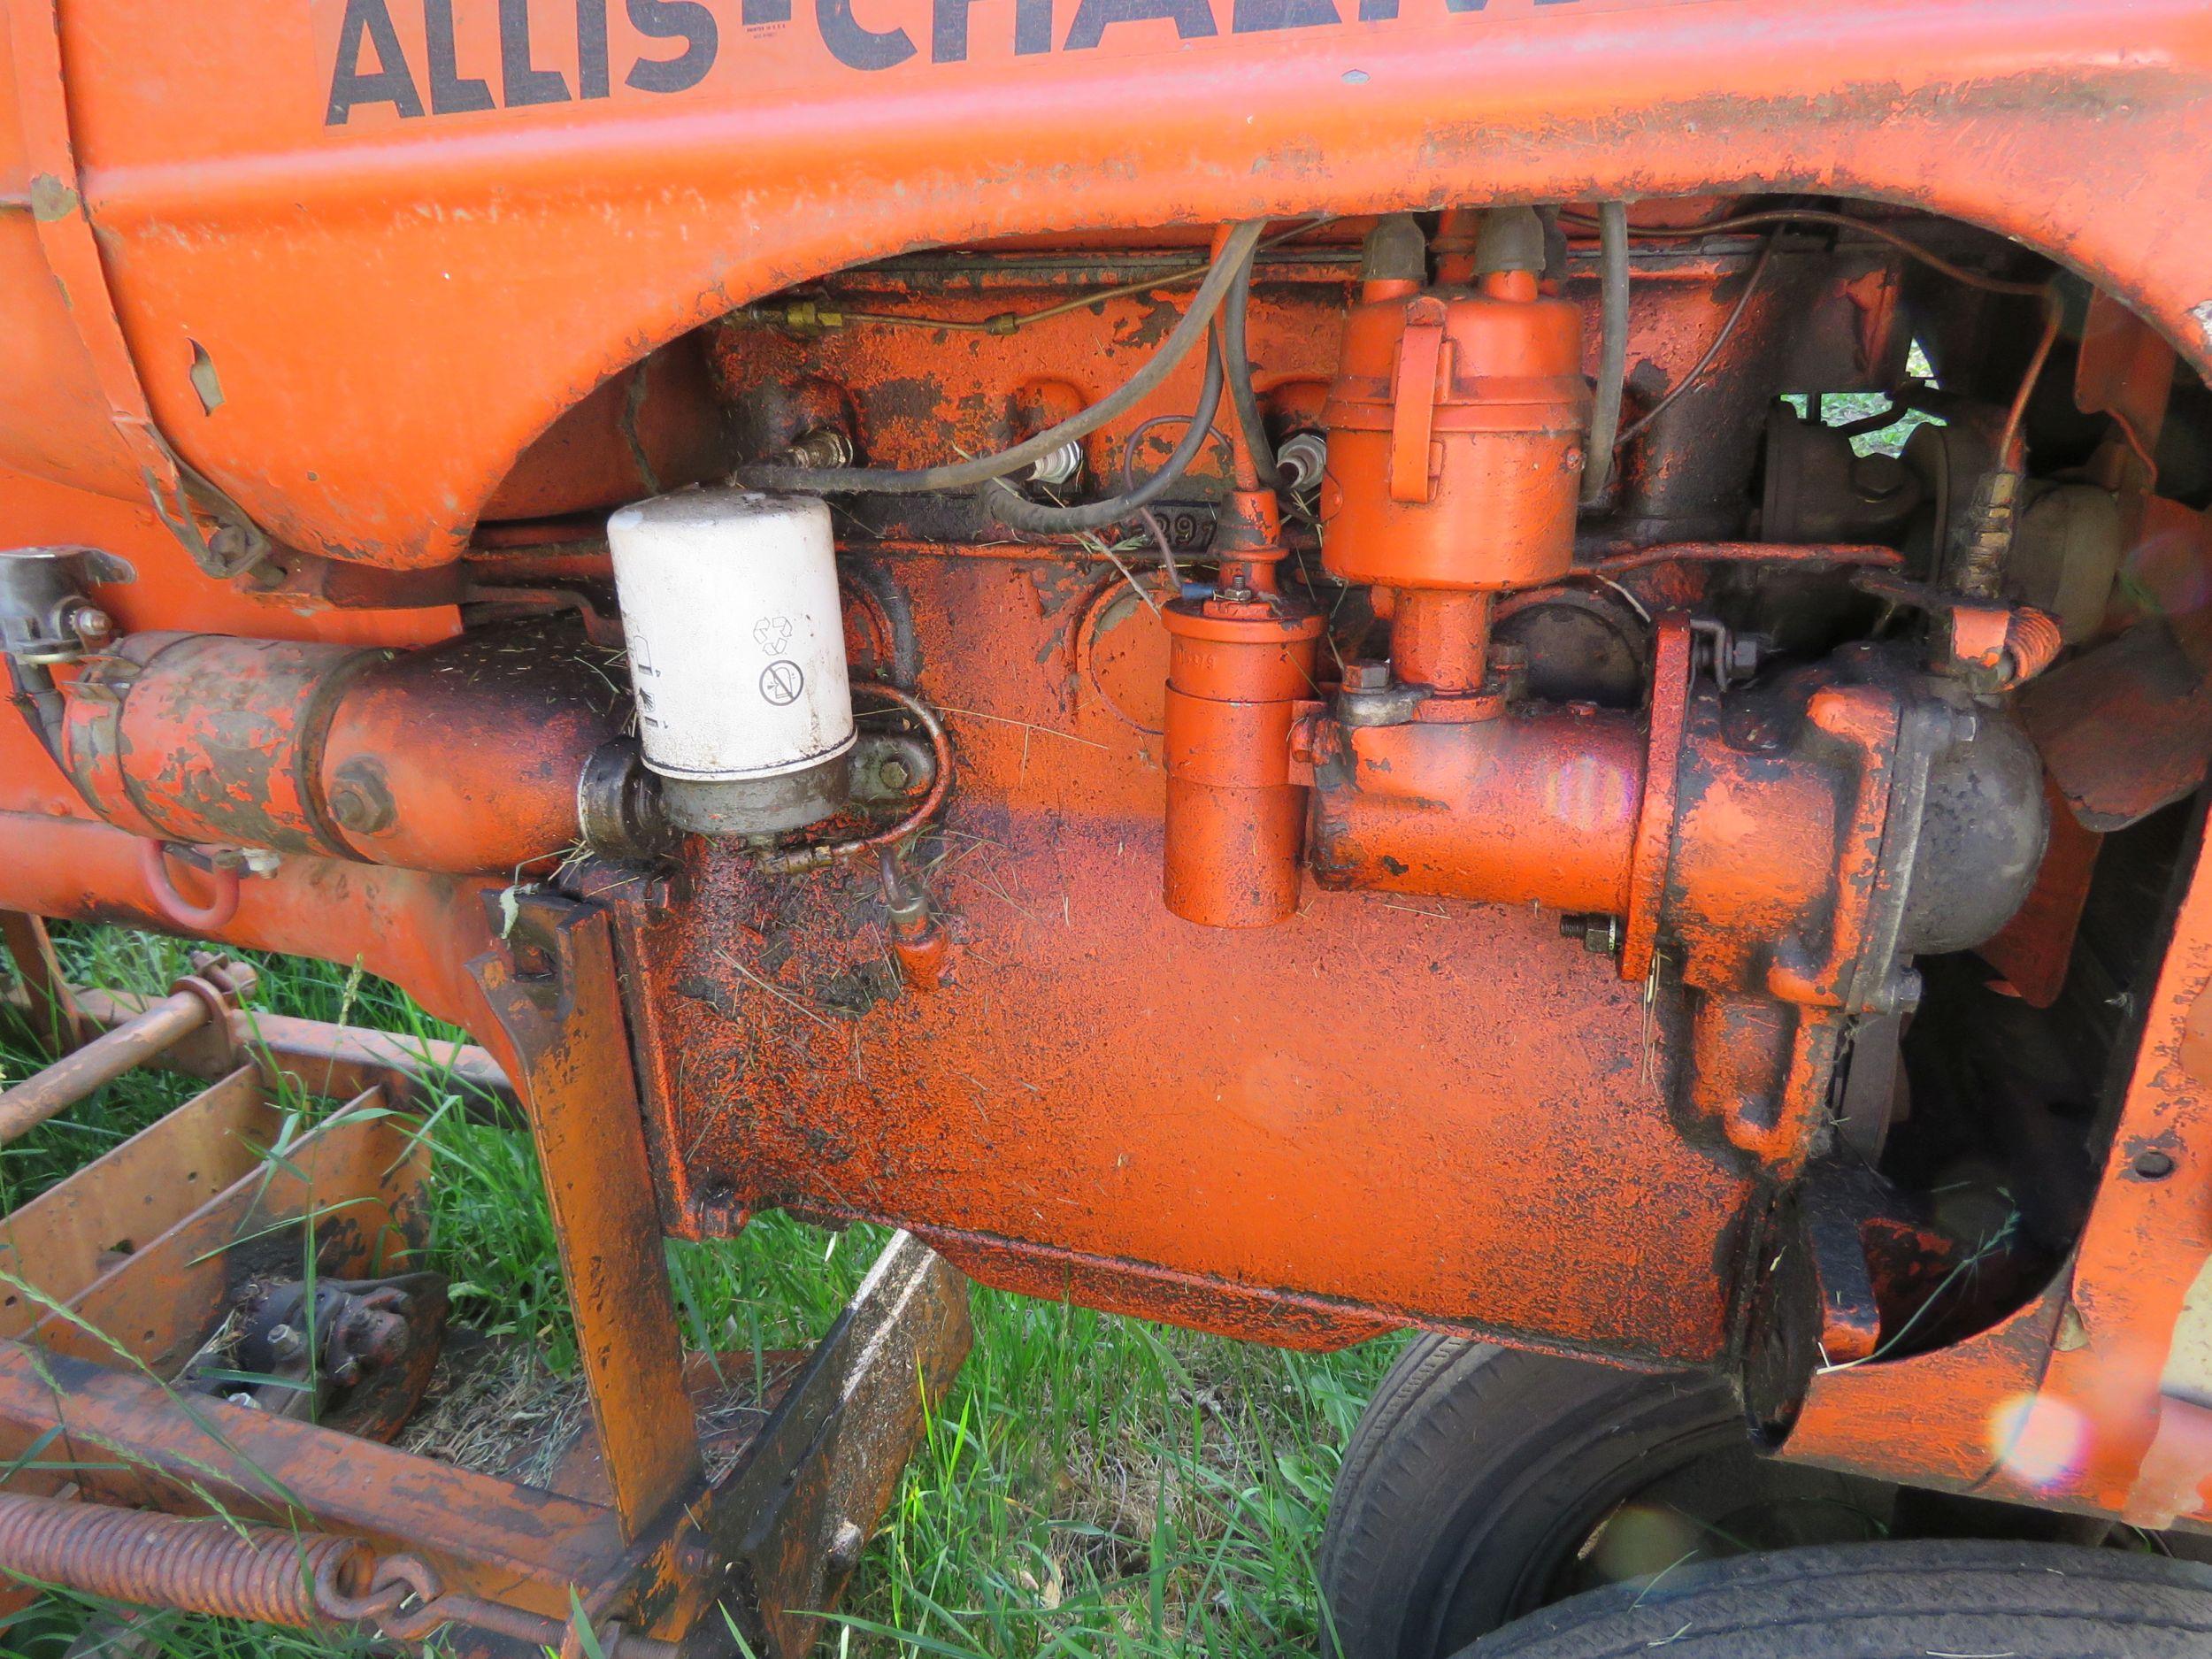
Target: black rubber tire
{"points": [[1892, 1601], [1477, 1474]]}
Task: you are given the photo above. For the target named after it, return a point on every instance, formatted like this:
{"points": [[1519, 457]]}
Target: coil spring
{"points": [[2032, 641], [201, 1566]]}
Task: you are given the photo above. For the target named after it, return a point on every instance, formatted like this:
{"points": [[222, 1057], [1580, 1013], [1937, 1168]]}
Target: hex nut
{"points": [[360, 799]]}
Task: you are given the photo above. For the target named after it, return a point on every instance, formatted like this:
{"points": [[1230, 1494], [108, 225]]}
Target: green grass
{"points": [[1091, 1485]]}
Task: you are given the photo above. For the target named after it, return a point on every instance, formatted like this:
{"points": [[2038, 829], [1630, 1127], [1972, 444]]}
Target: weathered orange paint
{"points": [[358, 326], [418, 930], [235, 216], [2071, 1402], [462, 758], [1456, 424], [1533, 807], [1234, 820], [1208, 1124]]}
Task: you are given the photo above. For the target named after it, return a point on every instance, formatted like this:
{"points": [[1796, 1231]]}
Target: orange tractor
{"points": [[1536, 669]]}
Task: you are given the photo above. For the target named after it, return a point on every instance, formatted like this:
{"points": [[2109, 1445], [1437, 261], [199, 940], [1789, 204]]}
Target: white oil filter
{"points": [[737, 655]]}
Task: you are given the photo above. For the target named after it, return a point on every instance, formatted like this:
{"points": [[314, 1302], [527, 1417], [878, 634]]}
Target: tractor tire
{"points": [[1947, 1596], [1485, 1483]]}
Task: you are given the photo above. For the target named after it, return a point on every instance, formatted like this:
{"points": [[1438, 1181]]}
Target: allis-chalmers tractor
{"points": [[1535, 669]]}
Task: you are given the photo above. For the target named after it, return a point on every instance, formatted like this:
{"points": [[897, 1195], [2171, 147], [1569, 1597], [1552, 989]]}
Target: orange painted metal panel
{"points": [[2099, 1395], [459, 278]]}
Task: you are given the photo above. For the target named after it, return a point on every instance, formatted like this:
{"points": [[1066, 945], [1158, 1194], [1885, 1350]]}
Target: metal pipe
{"points": [[465, 756], [1605, 420], [106, 1057]]}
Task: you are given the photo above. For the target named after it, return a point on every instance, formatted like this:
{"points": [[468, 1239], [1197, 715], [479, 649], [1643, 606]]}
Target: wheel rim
{"points": [[1701, 1495]]}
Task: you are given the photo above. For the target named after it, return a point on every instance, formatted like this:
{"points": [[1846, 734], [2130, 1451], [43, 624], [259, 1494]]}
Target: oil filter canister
{"points": [[737, 653]]}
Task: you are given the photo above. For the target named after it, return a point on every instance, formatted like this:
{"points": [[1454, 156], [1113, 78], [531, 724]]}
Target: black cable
{"points": [[1016, 510], [1228, 269], [1841, 221], [1605, 420], [1237, 362], [1144, 429], [1712, 351], [32, 689]]}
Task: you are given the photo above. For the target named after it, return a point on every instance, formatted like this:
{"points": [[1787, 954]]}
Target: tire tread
{"points": [[1887, 1600]]}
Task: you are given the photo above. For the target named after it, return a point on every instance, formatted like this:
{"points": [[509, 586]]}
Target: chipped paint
{"points": [[52, 200], [205, 381]]}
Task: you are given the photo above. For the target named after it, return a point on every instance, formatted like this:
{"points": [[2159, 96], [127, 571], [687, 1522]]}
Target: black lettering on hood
{"points": [[860, 48], [452, 93], [1253, 17], [367, 22], [674, 20], [521, 81], [1193, 19]]}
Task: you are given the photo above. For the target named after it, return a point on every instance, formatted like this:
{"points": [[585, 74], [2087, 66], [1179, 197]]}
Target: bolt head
{"points": [[360, 800], [350, 807], [1601, 937], [894, 774], [1366, 676]]}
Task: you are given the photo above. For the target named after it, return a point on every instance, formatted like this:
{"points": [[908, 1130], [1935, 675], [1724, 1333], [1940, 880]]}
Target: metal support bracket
{"points": [[552, 989]]}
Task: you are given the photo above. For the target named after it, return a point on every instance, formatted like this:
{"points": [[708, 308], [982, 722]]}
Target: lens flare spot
{"points": [[2039, 1439], [1587, 792], [1639, 1540]]}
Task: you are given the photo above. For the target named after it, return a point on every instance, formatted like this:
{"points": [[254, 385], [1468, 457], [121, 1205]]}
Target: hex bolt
{"points": [[1363, 675], [378, 1336], [823, 447], [353, 810], [91, 624], [1746, 652], [1601, 935], [844, 1547], [893, 774], [360, 799]]}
